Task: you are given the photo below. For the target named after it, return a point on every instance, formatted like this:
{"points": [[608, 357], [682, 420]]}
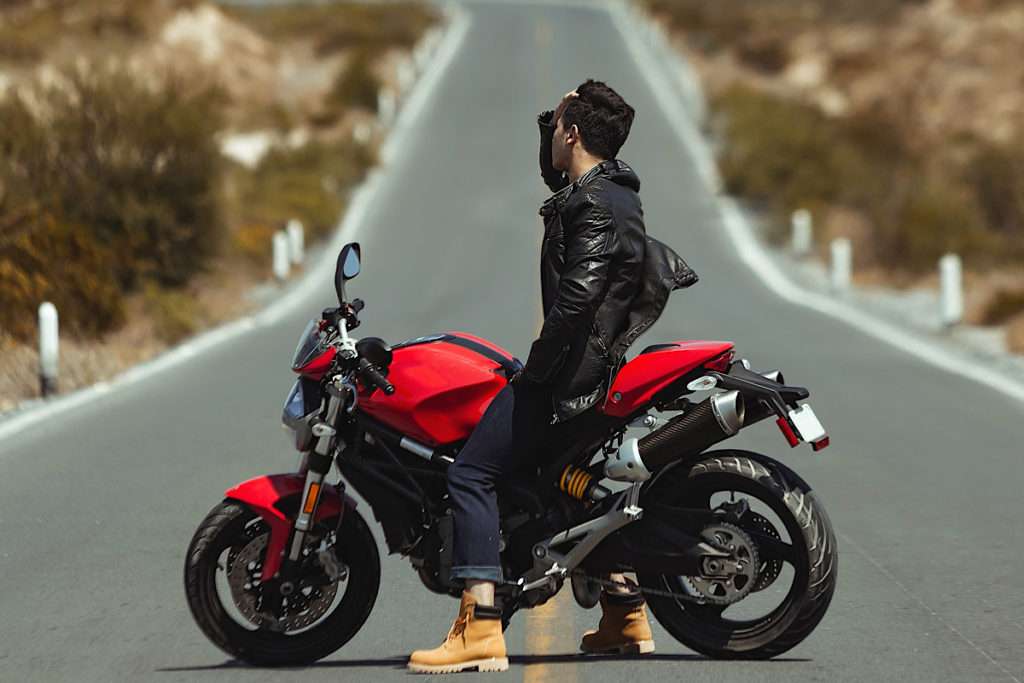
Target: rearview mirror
{"points": [[347, 268]]}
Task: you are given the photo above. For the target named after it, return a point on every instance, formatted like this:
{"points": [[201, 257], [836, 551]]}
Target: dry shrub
{"points": [[724, 24], [394, 24], [341, 25], [175, 314], [254, 241], [765, 53], [44, 260], [307, 183], [125, 174], [996, 175], [29, 29], [785, 155], [356, 84], [1004, 305]]}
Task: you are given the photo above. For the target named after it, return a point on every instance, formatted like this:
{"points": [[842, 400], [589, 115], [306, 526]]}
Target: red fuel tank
{"points": [[443, 385]]}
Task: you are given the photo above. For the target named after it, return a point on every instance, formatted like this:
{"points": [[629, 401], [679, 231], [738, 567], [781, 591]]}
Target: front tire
{"points": [[813, 555], [226, 529]]}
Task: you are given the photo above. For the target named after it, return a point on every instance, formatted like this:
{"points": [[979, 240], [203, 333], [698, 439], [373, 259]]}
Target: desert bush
{"points": [[356, 85], [397, 25], [927, 222], [779, 154], [996, 175], [42, 259], [305, 183], [175, 314], [254, 241], [341, 25], [138, 166], [133, 168], [767, 53], [722, 24], [28, 29], [1004, 305], [784, 155]]}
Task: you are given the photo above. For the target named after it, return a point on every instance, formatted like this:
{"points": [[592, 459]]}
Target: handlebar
{"points": [[373, 377]]}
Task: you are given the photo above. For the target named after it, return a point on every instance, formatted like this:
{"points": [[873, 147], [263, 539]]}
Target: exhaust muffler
{"points": [[714, 419]]}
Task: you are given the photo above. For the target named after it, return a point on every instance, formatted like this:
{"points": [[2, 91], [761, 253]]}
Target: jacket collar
{"points": [[618, 171]]}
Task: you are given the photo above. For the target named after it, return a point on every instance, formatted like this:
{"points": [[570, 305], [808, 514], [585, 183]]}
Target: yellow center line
{"points": [[551, 630]]}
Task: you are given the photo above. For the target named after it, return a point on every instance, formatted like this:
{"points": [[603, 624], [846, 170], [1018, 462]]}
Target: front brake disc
{"points": [[302, 608]]}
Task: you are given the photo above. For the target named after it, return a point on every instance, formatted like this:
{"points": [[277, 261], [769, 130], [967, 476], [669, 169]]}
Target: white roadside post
{"points": [[842, 261], [49, 348], [281, 262], [362, 132], [386, 106], [951, 290], [406, 75], [296, 241], [802, 232]]}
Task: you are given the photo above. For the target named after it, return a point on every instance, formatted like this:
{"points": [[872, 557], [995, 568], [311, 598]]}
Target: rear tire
{"points": [[222, 529], [812, 539]]}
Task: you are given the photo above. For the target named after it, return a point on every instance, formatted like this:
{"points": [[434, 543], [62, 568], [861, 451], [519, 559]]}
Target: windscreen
{"points": [[309, 346]]}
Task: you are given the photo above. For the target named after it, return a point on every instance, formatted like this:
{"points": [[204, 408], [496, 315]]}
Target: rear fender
{"points": [[275, 498]]}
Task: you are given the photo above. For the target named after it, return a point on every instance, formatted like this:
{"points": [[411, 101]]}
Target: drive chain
{"points": [[631, 587]]}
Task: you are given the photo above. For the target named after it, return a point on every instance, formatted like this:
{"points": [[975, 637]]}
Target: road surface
{"points": [[923, 482]]}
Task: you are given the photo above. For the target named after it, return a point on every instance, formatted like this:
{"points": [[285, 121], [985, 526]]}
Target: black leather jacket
{"points": [[603, 280]]}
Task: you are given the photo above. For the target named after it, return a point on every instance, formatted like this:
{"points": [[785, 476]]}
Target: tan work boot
{"points": [[475, 641], [623, 628]]}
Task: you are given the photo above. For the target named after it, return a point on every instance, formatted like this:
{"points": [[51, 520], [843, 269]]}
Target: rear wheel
{"points": [[774, 608], [321, 614]]}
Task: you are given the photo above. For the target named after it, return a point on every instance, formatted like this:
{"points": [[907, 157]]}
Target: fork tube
{"points": [[315, 478]]}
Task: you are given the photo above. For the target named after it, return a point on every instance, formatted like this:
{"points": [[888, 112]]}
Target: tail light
{"points": [[721, 363]]}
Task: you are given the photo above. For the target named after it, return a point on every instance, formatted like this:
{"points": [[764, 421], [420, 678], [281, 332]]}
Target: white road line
{"points": [[746, 243], [361, 201]]}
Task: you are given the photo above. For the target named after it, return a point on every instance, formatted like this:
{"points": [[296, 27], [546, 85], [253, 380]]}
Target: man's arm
{"points": [[580, 289], [554, 179]]}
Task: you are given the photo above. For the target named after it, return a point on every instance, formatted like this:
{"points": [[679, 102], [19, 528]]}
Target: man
{"points": [[603, 283]]}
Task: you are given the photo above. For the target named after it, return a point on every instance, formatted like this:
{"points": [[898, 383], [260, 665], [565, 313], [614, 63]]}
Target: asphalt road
{"points": [[923, 482]]}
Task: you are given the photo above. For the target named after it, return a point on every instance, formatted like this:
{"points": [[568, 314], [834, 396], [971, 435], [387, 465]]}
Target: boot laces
{"points": [[458, 628]]}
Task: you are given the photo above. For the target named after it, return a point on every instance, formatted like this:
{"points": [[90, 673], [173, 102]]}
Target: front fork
{"points": [[317, 465]]}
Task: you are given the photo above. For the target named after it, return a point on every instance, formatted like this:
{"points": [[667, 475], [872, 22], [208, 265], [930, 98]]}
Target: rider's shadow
{"points": [[514, 660]]}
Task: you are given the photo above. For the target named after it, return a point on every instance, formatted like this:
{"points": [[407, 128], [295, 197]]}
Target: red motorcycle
{"points": [[734, 553]]}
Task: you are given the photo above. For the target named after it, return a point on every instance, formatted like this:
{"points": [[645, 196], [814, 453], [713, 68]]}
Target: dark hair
{"points": [[602, 117]]}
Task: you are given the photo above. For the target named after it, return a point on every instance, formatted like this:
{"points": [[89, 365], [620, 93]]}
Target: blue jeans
{"points": [[504, 442]]}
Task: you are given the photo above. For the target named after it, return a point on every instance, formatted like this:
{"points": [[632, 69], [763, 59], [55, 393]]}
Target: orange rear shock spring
{"points": [[579, 484]]}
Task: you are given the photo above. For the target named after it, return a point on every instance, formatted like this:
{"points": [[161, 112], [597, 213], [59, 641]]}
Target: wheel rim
{"points": [[238, 583], [717, 623]]}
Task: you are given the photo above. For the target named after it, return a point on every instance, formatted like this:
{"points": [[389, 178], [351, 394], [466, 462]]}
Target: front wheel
{"points": [[222, 572], [772, 608]]}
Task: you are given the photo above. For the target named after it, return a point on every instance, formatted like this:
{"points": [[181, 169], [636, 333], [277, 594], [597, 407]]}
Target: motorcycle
{"points": [[734, 553]]}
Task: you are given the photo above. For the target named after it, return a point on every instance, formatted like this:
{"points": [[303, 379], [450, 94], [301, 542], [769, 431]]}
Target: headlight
{"points": [[302, 402]]}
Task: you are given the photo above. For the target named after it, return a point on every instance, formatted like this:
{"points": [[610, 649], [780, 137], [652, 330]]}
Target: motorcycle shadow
{"points": [[399, 662]]}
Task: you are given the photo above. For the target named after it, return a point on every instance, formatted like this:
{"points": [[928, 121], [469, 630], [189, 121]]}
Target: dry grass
{"points": [[31, 29], [338, 26], [859, 107], [306, 46]]}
